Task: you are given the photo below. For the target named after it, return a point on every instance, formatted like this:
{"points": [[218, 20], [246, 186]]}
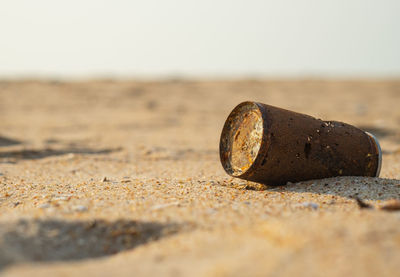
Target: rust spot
{"points": [[307, 149], [264, 161]]}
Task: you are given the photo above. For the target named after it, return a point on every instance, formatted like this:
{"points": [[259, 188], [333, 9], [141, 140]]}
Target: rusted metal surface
{"points": [[270, 145]]}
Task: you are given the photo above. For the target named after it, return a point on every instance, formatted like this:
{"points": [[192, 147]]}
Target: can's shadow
{"points": [[368, 188], [57, 240]]}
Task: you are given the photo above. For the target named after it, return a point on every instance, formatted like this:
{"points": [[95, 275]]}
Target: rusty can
{"points": [[273, 146]]}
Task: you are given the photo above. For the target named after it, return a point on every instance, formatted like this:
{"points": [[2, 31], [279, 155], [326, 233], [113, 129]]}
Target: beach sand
{"points": [[123, 178]]}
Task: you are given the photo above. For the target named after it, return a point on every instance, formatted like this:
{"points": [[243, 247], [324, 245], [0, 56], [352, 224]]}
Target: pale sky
{"points": [[220, 38]]}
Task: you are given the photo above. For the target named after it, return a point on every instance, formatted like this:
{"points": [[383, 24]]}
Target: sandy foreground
{"points": [[123, 178]]}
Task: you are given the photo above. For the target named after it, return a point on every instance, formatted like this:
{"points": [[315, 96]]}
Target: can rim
{"points": [[225, 147], [378, 146]]}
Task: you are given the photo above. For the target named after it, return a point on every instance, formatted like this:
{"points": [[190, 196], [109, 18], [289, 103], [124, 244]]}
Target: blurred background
{"points": [[190, 38], [168, 71]]}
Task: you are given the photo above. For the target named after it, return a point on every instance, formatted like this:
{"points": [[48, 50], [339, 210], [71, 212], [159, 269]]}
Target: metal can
{"points": [[273, 146]]}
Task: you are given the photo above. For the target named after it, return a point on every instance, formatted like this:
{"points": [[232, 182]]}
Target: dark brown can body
{"points": [[270, 145]]}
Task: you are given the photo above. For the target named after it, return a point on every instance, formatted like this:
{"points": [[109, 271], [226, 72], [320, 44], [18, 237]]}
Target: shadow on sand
{"points": [[8, 141], [55, 240], [367, 188], [32, 154]]}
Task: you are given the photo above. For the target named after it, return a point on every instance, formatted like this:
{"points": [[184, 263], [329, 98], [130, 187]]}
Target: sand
{"points": [[123, 178]]}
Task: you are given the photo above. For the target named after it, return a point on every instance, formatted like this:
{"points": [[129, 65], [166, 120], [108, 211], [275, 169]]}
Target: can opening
{"points": [[241, 138]]}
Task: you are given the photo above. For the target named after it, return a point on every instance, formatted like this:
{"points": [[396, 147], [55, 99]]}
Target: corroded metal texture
{"points": [[270, 145]]}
